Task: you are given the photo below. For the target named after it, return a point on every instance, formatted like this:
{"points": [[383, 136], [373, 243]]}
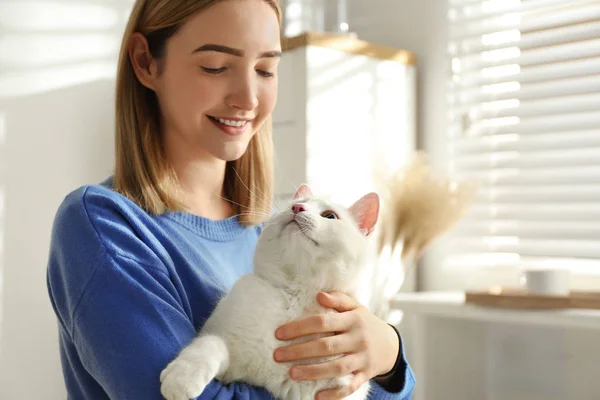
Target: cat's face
{"points": [[313, 238]]}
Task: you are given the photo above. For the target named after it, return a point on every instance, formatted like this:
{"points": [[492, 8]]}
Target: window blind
{"points": [[524, 113]]}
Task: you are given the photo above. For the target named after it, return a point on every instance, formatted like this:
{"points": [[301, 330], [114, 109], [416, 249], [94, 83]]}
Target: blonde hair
{"points": [[142, 172]]}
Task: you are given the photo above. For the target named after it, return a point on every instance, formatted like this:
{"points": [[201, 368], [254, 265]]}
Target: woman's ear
{"points": [[144, 65]]}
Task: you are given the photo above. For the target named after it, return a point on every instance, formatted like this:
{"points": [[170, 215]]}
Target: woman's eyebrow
{"points": [[235, 52]]}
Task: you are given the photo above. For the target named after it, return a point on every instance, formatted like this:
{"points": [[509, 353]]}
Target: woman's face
{"points": [[218, 82]]}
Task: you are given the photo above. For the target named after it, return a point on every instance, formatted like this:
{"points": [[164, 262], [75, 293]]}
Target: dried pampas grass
{"points": [[418, 206]]}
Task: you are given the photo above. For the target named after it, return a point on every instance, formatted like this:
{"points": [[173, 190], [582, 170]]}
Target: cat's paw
{"points": [[183, 380]]}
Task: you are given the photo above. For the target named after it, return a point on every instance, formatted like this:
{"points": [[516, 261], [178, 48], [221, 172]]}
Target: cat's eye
{"points": [[329, 215]]}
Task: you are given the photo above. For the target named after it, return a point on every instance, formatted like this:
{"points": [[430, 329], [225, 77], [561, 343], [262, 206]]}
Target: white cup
{"points": [[547, 281]]}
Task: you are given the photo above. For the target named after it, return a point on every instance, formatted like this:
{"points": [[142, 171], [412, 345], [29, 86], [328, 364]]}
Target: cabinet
{"points": [[346, 109]]}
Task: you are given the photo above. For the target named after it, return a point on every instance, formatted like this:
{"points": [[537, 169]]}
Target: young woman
{"points": [[138, 262]]}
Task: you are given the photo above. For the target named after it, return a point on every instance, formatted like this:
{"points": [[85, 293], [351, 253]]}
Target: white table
{"points": [[420, 305], [452, 305]]}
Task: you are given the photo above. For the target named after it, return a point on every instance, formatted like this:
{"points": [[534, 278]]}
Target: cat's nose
{"points": [[297, 208]]}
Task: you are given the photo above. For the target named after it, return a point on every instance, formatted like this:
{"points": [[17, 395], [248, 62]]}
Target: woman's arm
{"points": [[129, 325], [122, 318], [399, 383]]}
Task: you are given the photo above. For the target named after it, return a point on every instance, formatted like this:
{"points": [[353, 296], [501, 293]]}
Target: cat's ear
{"points": [[303, 192], [365, 211]]}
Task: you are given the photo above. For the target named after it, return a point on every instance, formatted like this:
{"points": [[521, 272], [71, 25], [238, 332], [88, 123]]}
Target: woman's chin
{"points": [[231, 152]]}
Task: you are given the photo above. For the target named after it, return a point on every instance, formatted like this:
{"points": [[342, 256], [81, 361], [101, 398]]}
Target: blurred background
{"points": [[506, 92]]}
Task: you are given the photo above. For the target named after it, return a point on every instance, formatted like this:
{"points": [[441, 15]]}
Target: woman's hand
{"points": [[369, 344]]}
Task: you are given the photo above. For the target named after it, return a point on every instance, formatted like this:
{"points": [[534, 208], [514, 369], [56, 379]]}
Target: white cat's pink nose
{"points": [[297, 208]]}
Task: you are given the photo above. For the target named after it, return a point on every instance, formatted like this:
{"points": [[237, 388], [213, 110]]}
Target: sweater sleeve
{"points": [[399, 383], [129, 326], [118, 307]]}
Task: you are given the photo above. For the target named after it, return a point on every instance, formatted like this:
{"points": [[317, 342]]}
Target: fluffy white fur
{"points": [[297, 255]]}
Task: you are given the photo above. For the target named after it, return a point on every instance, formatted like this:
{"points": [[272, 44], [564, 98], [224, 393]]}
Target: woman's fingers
{"points": [[323, 347], [338, 301], [339, 367], [321, 323]]}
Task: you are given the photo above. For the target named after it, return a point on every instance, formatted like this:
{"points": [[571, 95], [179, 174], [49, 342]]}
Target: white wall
{"points": [[56, 133], [55, 142]]}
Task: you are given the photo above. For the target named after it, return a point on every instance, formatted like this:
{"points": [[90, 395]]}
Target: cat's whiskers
{"points": [[257, 188], [243, 206], [301, 229], [278, 203], [260, 200]]}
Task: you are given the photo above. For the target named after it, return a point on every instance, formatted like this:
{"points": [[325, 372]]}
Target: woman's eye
{"points": [[329, 215], [264, 74], [214, 70]]}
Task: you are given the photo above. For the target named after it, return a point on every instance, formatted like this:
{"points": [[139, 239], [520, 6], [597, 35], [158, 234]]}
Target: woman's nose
{"points": [[297, 208], [244, 96]]}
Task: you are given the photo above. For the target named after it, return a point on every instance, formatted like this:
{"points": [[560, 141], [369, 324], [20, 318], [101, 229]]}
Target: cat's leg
{"points": [[197, 364]]}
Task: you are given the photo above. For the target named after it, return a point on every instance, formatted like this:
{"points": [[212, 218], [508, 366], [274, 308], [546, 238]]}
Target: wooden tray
{"points": [[516, 298]]}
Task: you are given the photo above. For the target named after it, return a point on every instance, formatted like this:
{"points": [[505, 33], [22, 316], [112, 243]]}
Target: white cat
{"points": [[310, 246]]}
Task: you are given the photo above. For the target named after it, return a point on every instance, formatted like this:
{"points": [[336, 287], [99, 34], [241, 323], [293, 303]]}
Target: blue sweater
{"points": [[130, 290]]}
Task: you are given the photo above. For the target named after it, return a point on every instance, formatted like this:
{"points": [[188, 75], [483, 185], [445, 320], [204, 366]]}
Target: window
{"points": [[524, 110]]}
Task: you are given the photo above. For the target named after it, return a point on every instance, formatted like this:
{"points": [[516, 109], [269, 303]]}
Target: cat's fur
{"points": [[297, 255]]}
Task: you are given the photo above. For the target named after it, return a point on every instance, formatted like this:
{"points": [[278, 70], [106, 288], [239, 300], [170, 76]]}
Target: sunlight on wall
{"points": [[46, 46], [42, 50], [51, 45], [14, 84], [44, 16]]}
